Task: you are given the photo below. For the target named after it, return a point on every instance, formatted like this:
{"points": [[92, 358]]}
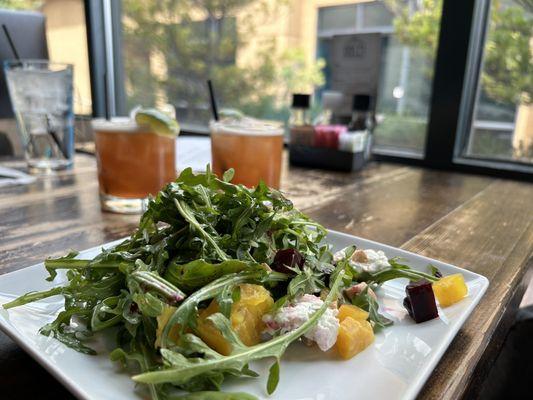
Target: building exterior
{"points": [[67, 42]]}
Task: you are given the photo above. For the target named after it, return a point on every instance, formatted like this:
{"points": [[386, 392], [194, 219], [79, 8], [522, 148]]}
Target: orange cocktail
{"points": [[252, 148], [133, 163]]}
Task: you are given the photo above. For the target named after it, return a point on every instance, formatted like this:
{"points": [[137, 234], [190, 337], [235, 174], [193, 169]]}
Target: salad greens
{"points": [[200, 239]]}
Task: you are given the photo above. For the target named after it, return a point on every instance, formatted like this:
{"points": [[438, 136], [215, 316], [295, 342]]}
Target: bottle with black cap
{"points": [[302, 132], [362, 121], [362, 118]]}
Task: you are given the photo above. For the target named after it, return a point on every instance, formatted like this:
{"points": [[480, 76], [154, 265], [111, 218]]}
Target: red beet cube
{"points": [[284, 258], [420, 301]]}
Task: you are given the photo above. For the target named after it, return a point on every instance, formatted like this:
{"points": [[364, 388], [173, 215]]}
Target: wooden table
{"points": [[480, 223]]}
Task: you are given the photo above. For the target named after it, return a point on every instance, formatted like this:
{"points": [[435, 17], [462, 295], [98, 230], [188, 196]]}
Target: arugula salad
{"points": [[216, 276]]}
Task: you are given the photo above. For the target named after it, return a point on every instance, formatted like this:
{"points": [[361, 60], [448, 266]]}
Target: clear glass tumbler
{"points": [[41, 95]]}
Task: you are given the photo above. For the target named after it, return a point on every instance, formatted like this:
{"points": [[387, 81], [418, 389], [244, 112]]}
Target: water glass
{"points": [[41, 95]]}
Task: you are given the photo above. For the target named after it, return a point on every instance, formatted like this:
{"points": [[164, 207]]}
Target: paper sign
{"points": [[355, 61]]}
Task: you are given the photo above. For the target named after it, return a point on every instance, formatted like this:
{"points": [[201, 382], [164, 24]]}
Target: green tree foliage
{"points": [[21, 4], [508, 65], [508, 60], [200, 39]]}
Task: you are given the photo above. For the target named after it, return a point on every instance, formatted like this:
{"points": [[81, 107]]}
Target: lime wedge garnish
{"points": [[231, 113], [158, 121]]}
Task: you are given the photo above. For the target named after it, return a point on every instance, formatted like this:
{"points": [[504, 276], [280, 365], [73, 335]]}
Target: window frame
{"points": [[108, 92], [455, 86], [470, 96]]}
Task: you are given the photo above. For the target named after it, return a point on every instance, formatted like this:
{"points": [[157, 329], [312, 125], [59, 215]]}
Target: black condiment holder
{"points": [[326, 158]]}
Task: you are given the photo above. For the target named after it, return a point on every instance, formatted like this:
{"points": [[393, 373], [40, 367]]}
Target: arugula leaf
{"points": [[183, 369], [273, 377], [139, 353], [228, 175], [225, 300], [188, 215], [203, 395], [434, 271], [33, 296], [368, 303], [148, 304], [306, 281], [71, 337], [395, 271], [151, 281], [108, 312], [198, 273]]}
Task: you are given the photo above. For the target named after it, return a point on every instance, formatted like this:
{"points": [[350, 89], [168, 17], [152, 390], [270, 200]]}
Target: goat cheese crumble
{"points": [[366, 260], [292, 316]]}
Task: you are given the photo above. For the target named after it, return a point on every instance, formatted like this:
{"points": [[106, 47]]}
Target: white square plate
{"points": [[395, 366]]}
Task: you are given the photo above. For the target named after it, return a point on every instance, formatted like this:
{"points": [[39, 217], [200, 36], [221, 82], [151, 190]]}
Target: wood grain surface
{"points": [[479, 223]]}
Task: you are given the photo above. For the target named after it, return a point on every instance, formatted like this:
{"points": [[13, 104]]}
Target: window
{"points": [[453, 84], [259, 52], [502, 124]]}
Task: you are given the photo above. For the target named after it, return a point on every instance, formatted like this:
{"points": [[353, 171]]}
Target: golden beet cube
{"points": [[354, 336], [162, 321], [246, 318], [450, 289], [349, 310], [208, 331], [247, 313]]}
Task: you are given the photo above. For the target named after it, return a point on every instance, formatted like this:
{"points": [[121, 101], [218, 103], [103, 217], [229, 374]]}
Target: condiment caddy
{"points": [[327, 145]]}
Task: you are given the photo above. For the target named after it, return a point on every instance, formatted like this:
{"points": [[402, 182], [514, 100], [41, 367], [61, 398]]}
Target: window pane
{"points": [[258, 52], [338, 17], [502, 126], [376, 14], [406, 74]]}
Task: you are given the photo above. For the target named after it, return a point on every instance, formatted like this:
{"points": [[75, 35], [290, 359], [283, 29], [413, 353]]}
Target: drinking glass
{"points": [[41, 95], [133, 163], [251, 147]]}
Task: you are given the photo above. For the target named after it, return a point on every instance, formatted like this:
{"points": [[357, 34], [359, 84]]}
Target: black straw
{"points": [[10, 41], [213, 100], [56, 140], [106, 98]]}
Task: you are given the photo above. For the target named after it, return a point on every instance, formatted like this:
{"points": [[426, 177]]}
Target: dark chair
{"points": [[27, 30], [511, 372], [6, 148]]}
